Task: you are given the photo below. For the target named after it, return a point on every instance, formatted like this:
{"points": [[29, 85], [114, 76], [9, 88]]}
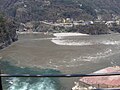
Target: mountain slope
{"points": [[27, 10], [7, 31]]}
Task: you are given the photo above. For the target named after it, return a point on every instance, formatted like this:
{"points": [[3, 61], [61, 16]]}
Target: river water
{"points": [[48, 54]]}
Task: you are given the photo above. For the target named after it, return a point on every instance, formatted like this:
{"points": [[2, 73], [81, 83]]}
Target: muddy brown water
{"points": [[70, 55]]}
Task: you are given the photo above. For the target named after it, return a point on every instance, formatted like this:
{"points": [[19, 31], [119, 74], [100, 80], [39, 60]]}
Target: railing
{"points": [[59, 75], [62, 75]]}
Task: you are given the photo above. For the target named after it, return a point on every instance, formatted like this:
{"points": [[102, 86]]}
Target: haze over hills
{"points": [[27, 10]]}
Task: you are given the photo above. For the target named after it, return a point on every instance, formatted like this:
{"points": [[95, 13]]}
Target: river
{"points": [[48, 54]]}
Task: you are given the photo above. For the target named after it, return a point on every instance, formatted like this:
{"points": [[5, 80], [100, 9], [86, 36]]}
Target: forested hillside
{"points": [[7, 31], [27, 10]]}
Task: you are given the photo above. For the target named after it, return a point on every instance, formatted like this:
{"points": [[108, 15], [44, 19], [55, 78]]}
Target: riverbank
{"points": [[69, 34], [7, 43], [56, 34], [28, 32]]}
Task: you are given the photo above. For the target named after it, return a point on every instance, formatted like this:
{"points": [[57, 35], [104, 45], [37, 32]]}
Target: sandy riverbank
{"points": [[69, 34], [55, 34], [28, 32]]}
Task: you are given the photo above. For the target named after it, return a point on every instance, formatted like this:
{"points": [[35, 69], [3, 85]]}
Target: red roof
{"points": [[104, 80]]}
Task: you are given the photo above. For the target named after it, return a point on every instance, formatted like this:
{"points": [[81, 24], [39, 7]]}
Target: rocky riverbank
{"points": [[8, 42]]}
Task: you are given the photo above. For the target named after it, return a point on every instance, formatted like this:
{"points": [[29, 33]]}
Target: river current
{"points": [[48, 54]]}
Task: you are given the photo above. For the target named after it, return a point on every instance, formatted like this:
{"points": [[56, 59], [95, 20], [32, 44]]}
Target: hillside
{"points": [[7, 31], [27, 10], [29, 14]]}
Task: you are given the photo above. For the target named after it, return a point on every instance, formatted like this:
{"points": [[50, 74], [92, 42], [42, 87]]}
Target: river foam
{"points": [[65, 39], [93, 57], [29, 83], [60, 39], [108, 42], [41, 84], [70, 42]]}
